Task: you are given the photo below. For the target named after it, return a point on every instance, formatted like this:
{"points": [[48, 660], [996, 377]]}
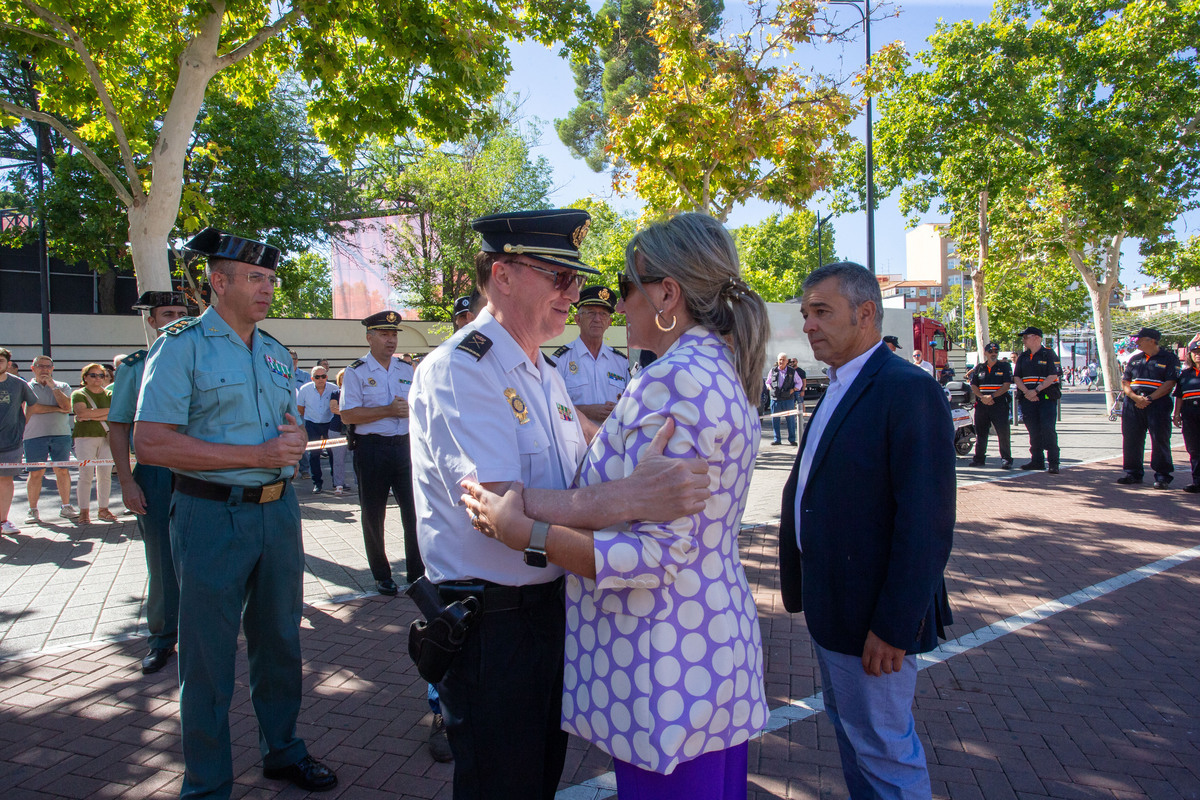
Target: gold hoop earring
{"points": [[659, 325]]}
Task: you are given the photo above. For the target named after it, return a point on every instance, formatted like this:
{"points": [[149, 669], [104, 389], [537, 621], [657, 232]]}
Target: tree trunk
{"points": [[1100, 292], [977, 278], [107, 281]]}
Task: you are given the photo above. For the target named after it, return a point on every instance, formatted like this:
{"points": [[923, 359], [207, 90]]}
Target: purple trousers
{"points": [[712, 776]]}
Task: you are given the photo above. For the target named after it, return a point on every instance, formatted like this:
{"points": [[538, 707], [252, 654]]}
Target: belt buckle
{"points": [[271, 492]]}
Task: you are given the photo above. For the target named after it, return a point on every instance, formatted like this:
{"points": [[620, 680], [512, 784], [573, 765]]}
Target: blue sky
{"points": [[547, 87]]}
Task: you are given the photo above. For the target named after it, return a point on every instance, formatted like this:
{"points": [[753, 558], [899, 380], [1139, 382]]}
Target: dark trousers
{"points": [[383, 464], [781, 405], [317, 431], [1135, 424], [1040, 420], [1191, 436], [997, 415], [502, 704], [239, 565], [162, 592]]}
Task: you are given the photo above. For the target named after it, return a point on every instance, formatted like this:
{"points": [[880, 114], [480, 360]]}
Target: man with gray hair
{"points": [[783, 382], [868, 573]]}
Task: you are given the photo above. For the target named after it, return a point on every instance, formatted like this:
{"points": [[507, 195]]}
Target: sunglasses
{"points": [[319, 377], [94, 375], [625, 284], [562, 280]]}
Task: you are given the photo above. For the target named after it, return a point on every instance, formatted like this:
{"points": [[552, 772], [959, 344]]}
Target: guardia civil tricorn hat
{"points": [[216, 243], [552, 235]]}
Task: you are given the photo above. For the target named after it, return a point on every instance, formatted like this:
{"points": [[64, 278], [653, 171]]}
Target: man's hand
{"points": [[597, 412], [987, 399], [1030, 395], [399, 408], [879, 657], [1141, 401], [286, 448], [132, 495], [667, 488]]}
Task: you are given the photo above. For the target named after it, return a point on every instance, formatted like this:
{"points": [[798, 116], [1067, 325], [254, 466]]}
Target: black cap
{"points": [[597, 296], [462, 305], [1194, 346], [1149, 333], [383, 321], [1031, 331], [552, 235], [152, 300], [216, 243], [892, 340], [991, 347]]}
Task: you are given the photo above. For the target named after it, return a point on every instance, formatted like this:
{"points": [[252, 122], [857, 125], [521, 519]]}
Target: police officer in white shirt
{"points": [[595, 373], [375, 401]]}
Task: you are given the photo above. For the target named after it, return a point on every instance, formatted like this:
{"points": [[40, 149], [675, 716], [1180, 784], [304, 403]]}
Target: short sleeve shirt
{"points": [[990, 379], [13, 392], [316, 404], [54, 423], [497, 417], [592, 380], [1188, 388], [1032, 368], [369, 384], [90, 428], [202, 378], [1146, 374]]}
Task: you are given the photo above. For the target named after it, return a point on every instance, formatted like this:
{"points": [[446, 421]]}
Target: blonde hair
{"points": [[699, 254], [83, 372], [341, 372]]}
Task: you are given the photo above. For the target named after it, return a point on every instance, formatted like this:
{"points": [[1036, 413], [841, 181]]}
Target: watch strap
{"points": [[537, 537]]}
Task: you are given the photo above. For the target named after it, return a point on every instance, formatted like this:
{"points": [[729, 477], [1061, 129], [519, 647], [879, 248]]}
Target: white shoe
{"points": [[32, 516], [8, 528], [68, 511], [339, 490]]}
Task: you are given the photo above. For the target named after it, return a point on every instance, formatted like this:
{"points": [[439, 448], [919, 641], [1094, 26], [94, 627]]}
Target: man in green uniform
{"points": [[218, 408], [146, 489]]}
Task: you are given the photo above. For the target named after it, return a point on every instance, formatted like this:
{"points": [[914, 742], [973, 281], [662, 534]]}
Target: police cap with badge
{"points": [[600, 296], [383, 321], [991, 347], [216, 243], [552, 235], [1149, 333], [462, 305], [152, 300]]}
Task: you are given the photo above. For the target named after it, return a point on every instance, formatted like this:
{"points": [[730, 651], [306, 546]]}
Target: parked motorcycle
{"points": [[961, 413]]}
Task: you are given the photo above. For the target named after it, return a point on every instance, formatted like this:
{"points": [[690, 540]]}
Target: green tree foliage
{"points": [[307, 290], [1178, 265], [1082, 115], [604, 245], [778, 253], [129, 77], [611, 75], [441, 189]]}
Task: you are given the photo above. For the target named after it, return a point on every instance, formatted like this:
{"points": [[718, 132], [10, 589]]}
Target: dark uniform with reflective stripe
{"points": [[988, 380], [1145, 376], [1188, 390], [1040, 417]]}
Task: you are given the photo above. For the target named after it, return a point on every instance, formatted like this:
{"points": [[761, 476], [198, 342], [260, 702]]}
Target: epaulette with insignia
{"points": [[476, 344], [356, 365], [560, 351], [179, 325], [134, 358], [550, 360], [620, 352], [269, 336]]}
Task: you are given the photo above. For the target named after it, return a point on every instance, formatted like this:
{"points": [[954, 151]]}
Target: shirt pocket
{"points": [[223, 391], [533, 445]]}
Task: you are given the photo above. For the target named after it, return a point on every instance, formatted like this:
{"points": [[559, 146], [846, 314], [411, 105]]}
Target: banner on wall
{"points": [[356, 263]]}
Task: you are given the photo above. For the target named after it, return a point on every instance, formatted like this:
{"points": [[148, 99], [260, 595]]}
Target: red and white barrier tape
{"points": [[108, 462]]}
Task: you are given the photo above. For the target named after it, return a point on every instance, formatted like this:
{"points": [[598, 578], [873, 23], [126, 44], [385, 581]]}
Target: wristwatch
{"points": [[535, 553]]}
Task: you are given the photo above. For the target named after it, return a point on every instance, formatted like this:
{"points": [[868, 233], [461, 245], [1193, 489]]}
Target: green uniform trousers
{"points": [[162, 592]]}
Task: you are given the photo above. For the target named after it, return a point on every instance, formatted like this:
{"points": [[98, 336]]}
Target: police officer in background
{"points": [[1149, 378], [146, 489], [219, 409], [595, 373], [990, 382], [375, 401], [1037, 374], [467, 308], [1187, 411]]}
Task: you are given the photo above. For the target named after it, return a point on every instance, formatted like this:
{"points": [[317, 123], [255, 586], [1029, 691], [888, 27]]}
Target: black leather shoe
{"points": [[387, 587], [1192, 488], [1032, 465], [1128, 480], [1006, 464], [307, 773], [439, 745], [1052, 469], [156, 659], [976, 462], [1161, 485]]}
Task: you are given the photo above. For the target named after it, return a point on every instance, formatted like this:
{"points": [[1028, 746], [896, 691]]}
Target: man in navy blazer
{"points": [[866, 530]]}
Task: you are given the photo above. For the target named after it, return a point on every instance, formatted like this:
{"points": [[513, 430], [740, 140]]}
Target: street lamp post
{"points": [[864, 11]]}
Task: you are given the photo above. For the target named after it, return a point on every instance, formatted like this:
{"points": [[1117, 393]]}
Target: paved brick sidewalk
{"points": [[1098, 700]]}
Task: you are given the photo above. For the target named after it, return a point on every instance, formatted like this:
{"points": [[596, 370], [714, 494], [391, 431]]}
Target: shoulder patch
{"points": [[560, 351], [476, 344], [357, 363], [134, 358], [180, 325]]}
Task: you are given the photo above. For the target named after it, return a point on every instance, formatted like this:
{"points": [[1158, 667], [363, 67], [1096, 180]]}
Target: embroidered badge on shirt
{"points": [[518, 405], [564, 412], [278, 367], [573, 367], [370, 381]]}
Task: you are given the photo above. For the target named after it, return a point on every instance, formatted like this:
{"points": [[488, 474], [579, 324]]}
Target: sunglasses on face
{"points": [[562, 280], [625, 284], [319, 377], [94, 375]]}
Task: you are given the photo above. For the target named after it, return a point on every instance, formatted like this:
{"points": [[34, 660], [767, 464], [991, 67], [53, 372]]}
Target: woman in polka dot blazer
{"points": [[664, 666]]}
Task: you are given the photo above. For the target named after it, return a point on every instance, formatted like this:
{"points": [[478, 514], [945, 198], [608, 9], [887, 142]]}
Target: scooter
{"points": [[961, 407]]}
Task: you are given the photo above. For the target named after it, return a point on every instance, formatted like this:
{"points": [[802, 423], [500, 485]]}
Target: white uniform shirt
{"points": [[927, 366], [367, 383], [315, 404], [496, 418], [592, 380]]}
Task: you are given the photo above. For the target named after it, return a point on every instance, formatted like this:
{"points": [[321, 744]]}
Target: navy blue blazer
{"points": [[877, 514]]}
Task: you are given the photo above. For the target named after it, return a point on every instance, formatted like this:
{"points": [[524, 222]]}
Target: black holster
{"points": [[435, 641], [351, 437]]}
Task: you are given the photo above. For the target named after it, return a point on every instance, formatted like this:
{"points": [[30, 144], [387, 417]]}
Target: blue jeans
{"points": [[316, 431], [786, 404]]}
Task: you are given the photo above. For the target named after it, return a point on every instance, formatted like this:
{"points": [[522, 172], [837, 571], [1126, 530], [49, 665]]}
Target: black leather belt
{"points": [[379, 437], [493, 597], [206, 490]]}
